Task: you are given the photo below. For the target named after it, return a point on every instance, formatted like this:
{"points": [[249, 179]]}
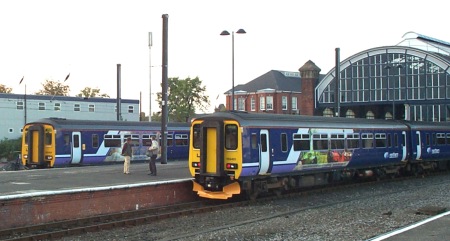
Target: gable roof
{"points": [[274, 79]]}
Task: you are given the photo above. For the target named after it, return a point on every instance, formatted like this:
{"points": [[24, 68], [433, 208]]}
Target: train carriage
{"points": [[54, 142], [235, 152]]}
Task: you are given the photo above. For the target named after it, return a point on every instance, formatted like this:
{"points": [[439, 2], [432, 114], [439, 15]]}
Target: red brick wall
{"points": [[35, 210]]}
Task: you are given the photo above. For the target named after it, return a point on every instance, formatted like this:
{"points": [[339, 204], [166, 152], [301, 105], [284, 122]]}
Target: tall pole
{"points": [[118, 92], [338, 82], [150, 43], [165, 87], [224, 33], [232, 70], [25, 105]]}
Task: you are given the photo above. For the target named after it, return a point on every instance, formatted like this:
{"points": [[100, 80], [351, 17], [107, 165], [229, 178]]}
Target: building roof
{"points": [[274, 79]]}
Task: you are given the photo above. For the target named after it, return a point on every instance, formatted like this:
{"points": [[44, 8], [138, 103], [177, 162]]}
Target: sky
{"points": [[48, 39]]}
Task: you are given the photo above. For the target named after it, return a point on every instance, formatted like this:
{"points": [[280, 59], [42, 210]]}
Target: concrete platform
{"points": [[36, 182], [435, 228]]}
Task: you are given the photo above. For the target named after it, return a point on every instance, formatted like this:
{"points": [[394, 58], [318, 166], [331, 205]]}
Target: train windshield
{"points": [[231, 137], [196, 141]]}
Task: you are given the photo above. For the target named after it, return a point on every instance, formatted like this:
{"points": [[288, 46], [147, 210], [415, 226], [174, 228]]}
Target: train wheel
{"points": [[251, 195]]}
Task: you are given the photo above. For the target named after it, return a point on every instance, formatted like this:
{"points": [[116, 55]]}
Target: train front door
{"points": [[264, 152], [76, 148]]}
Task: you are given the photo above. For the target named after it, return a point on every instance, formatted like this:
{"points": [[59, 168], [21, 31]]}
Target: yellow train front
{"points": [[38, 148], [215, 157]]}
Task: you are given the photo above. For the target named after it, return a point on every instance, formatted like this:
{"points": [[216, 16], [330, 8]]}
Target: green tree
{"points": [[10, 148], [4, 89], [51, 87], [185, 96], [90, 92]]}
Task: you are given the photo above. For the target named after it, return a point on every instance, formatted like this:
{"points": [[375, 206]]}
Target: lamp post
{"points": [[150, 43], [388, 67], [224, 33]]}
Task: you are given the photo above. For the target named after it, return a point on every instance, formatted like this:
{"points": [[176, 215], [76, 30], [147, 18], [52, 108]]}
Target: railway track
{"points": [[56, 230]]}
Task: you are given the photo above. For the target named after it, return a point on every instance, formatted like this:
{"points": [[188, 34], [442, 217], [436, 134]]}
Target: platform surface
{"points": [[57, 179]]}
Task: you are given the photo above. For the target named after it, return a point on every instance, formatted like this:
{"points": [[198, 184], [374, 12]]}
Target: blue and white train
{"points": [[235, 152], [56, 142]]}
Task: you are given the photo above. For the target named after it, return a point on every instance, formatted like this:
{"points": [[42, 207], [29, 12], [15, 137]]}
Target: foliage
{"points": [[51, 87], [9, 149], [90, 92], [5, 89], [184, 97]]}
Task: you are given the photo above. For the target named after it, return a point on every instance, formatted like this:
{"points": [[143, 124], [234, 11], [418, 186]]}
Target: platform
{"points": [[33, 182], [435, 228]]}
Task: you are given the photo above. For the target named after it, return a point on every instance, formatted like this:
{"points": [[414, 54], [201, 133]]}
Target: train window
{"points": [[434, 139], [113, 141], [66, 139], [134, 139], [169, 139], [197, 137], [48, 137], [263, 142], [395, 140], [284, 145], [440, 138], [94, 140], [320, 141], [389, 141], [352, 141], [367, 140], [231, 137], [301, 142], [76, 141], [146, 140], [181, 140], [427, 139], [254, 141], [447, 138], [337, 141], [380, 140]]}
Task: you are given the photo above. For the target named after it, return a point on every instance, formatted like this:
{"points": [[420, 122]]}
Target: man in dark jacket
{"points": [[127, 152]]}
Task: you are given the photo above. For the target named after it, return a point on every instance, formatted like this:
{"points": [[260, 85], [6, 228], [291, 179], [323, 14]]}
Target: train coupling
{"points": [[227, 192]]}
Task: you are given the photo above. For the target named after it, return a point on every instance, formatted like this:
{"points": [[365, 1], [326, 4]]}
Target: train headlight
{"points": [[196, 164], [25, 156], [48, 157], [232, 166]]}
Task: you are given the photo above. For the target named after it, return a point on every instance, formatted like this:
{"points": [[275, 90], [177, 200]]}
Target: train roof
{"points": [[63, 123], [280, 120]]}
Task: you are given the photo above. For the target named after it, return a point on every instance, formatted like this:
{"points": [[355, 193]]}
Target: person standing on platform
{"points": [[127, 152], [154, 149]]}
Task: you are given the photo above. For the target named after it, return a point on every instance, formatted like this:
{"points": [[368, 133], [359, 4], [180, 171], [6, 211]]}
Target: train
{"points": [[61, 142], [240, 153]]}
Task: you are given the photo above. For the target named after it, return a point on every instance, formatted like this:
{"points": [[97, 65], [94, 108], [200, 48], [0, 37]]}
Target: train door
{"points": [[403, 145], [76, 148], [264, 152], [418, 146]]}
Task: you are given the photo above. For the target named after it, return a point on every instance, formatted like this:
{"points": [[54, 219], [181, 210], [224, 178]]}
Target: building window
{"points": [[19, 105], [284, 102], [262, 103], [252, 104], [41, 106], [269, 105], [76, 107], [130, 109], [91, 108], [328, 112], [350, 114], [241, 104], [10, 130], [57, 106], [294, 103]]}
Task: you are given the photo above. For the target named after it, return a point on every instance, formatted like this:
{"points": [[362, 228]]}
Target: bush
{"points": [[10, 149]]}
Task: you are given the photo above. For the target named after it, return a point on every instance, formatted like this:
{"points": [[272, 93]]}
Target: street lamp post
{"points": [[150, 43], [224, 33]]}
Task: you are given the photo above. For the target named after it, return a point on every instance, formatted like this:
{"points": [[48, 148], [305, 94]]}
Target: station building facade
{"points": [[410, 80], [20, 109]]}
